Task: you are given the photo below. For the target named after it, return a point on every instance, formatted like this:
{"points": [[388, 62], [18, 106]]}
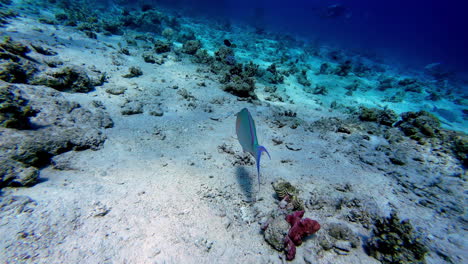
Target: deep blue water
{"points": [[414, 32]]}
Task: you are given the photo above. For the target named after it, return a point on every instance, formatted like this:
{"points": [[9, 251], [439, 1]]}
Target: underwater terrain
{"points": [[123, 126]]}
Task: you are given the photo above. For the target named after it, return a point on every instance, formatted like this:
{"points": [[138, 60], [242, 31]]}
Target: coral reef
{"points": [[394, 241]]}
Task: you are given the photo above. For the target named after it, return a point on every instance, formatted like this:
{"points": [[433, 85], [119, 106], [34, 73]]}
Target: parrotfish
{"points": [[247, 136]]}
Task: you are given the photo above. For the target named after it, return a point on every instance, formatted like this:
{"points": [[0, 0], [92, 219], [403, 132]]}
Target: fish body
{"points": [[247, 136]]}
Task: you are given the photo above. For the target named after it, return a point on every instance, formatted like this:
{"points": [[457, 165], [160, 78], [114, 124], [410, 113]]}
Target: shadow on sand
{"points": [[246, 183]]}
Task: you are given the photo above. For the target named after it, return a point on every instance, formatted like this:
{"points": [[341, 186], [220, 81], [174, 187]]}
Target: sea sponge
{"points": [[300, 228]]}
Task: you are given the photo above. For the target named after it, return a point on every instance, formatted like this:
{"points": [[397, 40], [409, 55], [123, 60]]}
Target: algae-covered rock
{"points": [[240, 86], [133, 72], [64, 126], [5, 15], [419, 125], [385, 117], [343, 69], [14, 109], [15, 173], [340, 231], [13, 72], [302, 78], [272, 75], [394, 241], [162, 47], [276, 231], [223, 53], [202, 56], [67, 79], [460, 148], [14, 47], [251, 69]]}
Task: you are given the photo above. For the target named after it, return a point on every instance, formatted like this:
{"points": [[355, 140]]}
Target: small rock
{"points": [[116, 90], [133, 72], [342, 245], [157, 112], [132, 108]]}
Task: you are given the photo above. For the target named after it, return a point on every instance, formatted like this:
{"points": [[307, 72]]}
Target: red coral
{"points": [[299, 229]]}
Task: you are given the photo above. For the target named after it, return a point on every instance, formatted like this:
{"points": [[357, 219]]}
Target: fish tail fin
{"points": [[260, 149]]}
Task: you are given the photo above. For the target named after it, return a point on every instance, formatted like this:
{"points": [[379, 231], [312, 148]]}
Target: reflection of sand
{"points": [[160, 191]]}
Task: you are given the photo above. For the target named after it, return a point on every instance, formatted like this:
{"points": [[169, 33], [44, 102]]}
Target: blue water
{"points": [[412, 32]]}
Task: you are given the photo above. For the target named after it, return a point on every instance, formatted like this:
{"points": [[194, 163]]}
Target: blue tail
{"points": [[260, 149]]}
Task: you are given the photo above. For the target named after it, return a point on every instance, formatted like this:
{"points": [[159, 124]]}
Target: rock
{"points": [[43, 51], [13, 47], [14, 173], [67, 79], [340, 231], [157, 112], [99, 209], [148, 57], [16, 72], [325, 242], [419, 125], [162, 47], [14, 205], [116, 90], [394, 241], [343, 245], [272, 75], [14, 109], [191, 47], [202, 56], [398, 159], [133, 72], [132, 108], [277, 229], [385, 117], [242, 87], [343, 69], [64, 126], [437, 70], [302, 79]]}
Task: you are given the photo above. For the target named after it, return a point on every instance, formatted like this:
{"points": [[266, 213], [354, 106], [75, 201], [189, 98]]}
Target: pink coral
{"points": [[299, 229]]}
